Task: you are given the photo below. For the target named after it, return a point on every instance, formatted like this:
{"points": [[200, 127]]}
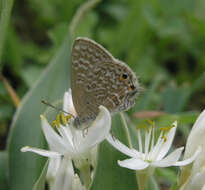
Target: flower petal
{"points": [[77, 184], [122, 148], [170, 160], [166, 145], [189, 160], [46, 153], [65, 132], [65, 175], [155, 150], [133, 164], [68, 103], [197, 181], [200, 120], [196, 136], [98, 131], [55, 142], [53, 166], [198, 163]]}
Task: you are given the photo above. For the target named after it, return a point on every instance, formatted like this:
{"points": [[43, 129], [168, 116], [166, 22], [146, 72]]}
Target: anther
{"points": [[58, 121], [63, 119], [152, 123]]}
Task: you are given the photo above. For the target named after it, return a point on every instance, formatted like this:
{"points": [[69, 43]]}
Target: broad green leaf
{"points": [[109, 175], [40, 183], [4, 171], [30, 74], [25, 168]]}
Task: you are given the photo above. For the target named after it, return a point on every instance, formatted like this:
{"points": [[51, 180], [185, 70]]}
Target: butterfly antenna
{"points": [[56, 108]]}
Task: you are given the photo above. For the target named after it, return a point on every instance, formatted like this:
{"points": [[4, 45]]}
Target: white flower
{"points": [[153, 155], [193, 177], [53, 166], [71, 143], [65, 178], [196, 136]]}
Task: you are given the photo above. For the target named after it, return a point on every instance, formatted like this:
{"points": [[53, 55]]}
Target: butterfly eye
{"points": [[132, 87], [124, 76]]}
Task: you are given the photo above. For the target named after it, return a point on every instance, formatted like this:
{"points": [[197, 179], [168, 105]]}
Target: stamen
{"points": [[139, 141], [63, 119], [164, 137], [152, 143], [143, 125], [147, 143], [165, 130], [58, 121], [152, 123], [68, 117], [54, 123]]}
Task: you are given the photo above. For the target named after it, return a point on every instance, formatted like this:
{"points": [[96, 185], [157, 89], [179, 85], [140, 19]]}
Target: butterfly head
{"points": [[131, 86]]}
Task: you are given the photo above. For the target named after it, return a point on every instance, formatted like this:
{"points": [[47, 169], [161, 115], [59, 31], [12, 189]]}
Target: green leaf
{"points": [[109, 175], [174, 186], [4, 22], [25, 168], [30, 74], [167, 174], [144, 102], [175, 99], [40, 183], [3, 171], [152, 184]]}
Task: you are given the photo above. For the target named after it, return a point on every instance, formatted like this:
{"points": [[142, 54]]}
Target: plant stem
{"points": [[141, 180], [143, 177]]}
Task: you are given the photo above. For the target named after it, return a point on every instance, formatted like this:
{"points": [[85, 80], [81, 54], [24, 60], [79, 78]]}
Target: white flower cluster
{"points": [[68, 145]]}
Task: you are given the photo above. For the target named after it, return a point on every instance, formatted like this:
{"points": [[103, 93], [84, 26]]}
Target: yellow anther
{"points": [[58, 120], [67, 117], [63, 118], [167, 129], [164, 137], [152, 123], [53, 124], [143, 125]]}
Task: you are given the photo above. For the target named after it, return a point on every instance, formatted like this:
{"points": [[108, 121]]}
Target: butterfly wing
{"points": [[86, 56], [95, 79]]}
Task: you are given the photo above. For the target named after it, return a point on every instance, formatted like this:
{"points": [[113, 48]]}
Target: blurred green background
{"points": [[163, 41]]}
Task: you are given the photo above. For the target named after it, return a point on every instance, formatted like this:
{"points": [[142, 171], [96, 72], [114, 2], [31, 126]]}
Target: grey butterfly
{"points": [[97, 78]]}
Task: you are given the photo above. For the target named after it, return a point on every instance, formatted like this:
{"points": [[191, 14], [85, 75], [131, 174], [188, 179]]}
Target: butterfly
{"points": [[97, 78]]}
